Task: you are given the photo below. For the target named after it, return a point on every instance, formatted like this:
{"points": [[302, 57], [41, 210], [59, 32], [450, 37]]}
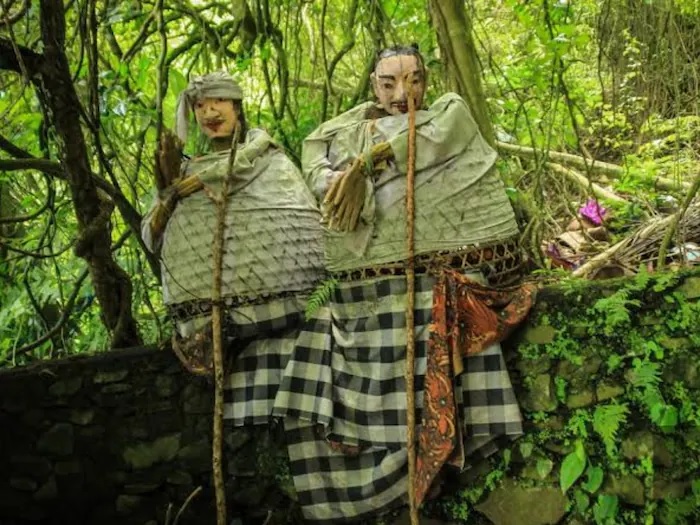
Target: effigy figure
{"points": [[343, 394], [272, 256]]}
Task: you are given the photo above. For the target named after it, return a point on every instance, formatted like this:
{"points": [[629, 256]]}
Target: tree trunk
{"points": [[454, 31], [92, 207]]}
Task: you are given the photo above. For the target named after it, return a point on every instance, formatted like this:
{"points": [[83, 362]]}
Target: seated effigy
{"points": [[272, 253], [343, 394]]}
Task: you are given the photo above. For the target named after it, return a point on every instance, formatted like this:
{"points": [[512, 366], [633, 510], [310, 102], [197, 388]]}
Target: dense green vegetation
{"points": [[610, 390], [614, 81]]}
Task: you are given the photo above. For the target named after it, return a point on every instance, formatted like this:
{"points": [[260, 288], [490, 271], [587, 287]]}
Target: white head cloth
{"points": [[214, 85]]}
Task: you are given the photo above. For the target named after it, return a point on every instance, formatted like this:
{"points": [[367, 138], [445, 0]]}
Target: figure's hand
{"points": [[346, 197], [167, 201], [168, 159]]}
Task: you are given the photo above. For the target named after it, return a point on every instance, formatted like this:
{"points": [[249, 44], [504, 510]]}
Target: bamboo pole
{"points": [[592, 165], [217, 328], [582, 181]]}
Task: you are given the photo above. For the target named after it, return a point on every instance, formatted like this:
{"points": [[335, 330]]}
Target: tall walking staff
{"points": [[217, 329], [410, 307]]}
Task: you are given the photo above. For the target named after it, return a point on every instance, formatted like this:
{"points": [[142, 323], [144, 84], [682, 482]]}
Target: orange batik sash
{"points": [[467, 317]]}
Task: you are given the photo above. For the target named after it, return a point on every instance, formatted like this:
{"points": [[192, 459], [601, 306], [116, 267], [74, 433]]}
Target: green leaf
{"points": [[177, 81], [572, 467], [605, 508], [544, 467], [582, 501], [665, 416], [594, 479], [526, 449]]}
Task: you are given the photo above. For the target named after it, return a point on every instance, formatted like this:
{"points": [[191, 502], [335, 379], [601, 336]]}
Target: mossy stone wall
{"points": [[608, 376]]}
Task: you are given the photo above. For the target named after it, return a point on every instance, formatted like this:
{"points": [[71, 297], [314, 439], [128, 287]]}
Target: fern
{"points": [[320, 296], [615, 310], [607, 420], [645, 374]]}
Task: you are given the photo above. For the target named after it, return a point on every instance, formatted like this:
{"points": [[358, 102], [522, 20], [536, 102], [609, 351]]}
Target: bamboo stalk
{"points": [[410, 308], [595, 166], [217, 328], [582, 181]]}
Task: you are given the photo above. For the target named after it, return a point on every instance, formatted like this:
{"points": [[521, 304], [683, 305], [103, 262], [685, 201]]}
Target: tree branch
{"points": [[9, 60], [10, 19], [13, 150], [50, 167], [67, 309]]}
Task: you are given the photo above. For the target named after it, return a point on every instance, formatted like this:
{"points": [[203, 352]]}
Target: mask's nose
{"points": [[399, 93], [209, 111]]}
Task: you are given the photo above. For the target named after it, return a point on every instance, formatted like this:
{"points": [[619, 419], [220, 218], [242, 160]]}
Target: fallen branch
{"points": [[608, 255], [678, 217], [582, 181], [589, 165], [643, 246], [566, 158]]}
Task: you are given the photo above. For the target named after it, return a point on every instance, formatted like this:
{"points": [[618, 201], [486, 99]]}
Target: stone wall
{"points": [[117, 438], [607, 374]]}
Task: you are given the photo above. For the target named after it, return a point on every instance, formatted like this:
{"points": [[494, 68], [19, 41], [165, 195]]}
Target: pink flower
{"points": [[593, 211]]}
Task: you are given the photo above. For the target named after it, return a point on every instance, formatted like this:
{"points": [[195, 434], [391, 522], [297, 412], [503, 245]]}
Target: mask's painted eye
{"points": [[387, 86]]}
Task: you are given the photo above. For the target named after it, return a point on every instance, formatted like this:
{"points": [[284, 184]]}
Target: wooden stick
{"points": [[411, 291], [217, 329], [582, 181]]}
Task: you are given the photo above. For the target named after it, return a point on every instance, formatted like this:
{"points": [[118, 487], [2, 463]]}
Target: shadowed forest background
{"points": [[86, 87]]}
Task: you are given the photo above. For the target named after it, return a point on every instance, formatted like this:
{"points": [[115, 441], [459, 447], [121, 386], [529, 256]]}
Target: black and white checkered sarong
{"points": [[346, 374], [261, 338]]}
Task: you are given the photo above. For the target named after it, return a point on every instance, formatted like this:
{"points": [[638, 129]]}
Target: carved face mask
{"points": [[217, 117], [212, 98], [390, 82]]}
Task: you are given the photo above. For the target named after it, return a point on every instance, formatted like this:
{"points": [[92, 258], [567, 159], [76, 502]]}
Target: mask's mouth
{"points": [[213, 124], [401, 106]]}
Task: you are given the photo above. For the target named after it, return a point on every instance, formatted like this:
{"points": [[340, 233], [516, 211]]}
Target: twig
{"points": [[192, 495], [67, 309], [411, 291], [582, 181], [162, 74], [11, 18], [217, 328], [677, 217]]}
